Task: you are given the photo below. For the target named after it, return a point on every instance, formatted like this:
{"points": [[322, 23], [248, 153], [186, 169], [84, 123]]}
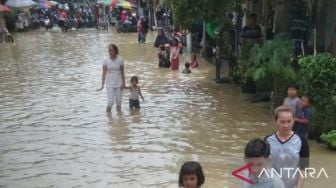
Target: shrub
{"points": [[239, 75], [318, 78], [330, 139]]}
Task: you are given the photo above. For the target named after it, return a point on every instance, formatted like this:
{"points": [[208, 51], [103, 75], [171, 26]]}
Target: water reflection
{"points": [[54, 131]]}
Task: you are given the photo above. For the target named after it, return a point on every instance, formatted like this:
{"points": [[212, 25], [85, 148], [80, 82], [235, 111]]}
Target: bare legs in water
{"points": [[109, 109]]}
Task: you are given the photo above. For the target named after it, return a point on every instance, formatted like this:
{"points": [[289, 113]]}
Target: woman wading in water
{"points": [[114, 76]]}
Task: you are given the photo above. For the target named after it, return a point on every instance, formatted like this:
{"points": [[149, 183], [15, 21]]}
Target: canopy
{"points": [[4, 8], [20, 3]]}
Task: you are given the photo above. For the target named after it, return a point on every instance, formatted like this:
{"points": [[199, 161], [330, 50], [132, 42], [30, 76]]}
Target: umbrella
{"points": [[20, 3], [4, 8], [44, 4], [63, 6], [126, 5], [105, 2], [114, 3], [53, 3], [133, 1]]}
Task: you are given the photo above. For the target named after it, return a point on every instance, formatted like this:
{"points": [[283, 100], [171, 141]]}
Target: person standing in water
{"points": [[135, 93], [174, 55], [114, 75], [288, 149], [194, 62]]}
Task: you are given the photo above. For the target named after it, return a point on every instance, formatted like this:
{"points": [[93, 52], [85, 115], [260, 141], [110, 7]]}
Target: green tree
{"points": [[186, 13], [270, 66]]}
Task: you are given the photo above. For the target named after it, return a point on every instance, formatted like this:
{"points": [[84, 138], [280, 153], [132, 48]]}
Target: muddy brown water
{"points": [[54, 131]]}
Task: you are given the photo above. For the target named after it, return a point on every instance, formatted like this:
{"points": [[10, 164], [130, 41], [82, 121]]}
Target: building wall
{"points": [[330, 22]]}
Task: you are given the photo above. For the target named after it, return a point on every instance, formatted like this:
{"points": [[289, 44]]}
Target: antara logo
{"points": [[246, 167], [283, 172], [293, 172]]}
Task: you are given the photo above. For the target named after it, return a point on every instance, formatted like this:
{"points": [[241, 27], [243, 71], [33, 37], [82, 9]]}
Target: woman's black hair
{"points": [[115, 48], [257, 148], [192, 167]]}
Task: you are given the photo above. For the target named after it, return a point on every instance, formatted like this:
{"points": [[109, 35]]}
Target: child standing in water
{"points": [[135, 93], [164, 57], [186, 70], [191, 175]]}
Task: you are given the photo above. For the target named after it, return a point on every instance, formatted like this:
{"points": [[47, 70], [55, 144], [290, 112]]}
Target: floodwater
{"points": [[54, 131]]}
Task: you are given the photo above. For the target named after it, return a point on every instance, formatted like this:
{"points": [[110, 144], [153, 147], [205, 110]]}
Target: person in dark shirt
{"points": [[303, 116], [161, 39], [252, 31], [163, 56]]}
